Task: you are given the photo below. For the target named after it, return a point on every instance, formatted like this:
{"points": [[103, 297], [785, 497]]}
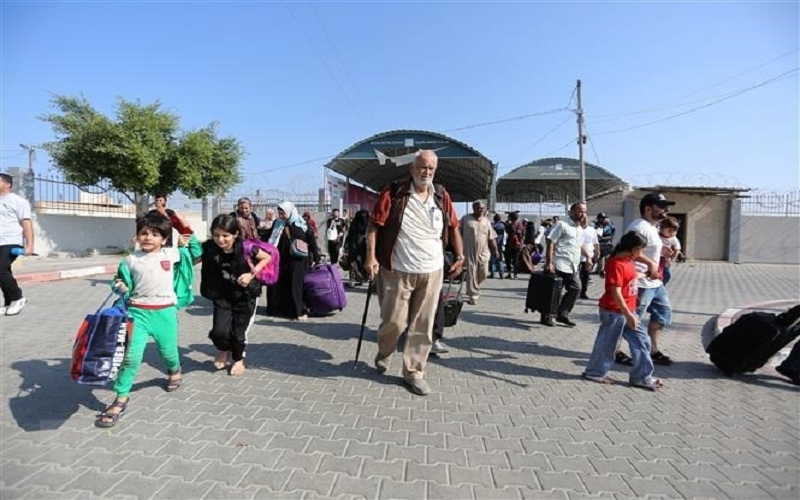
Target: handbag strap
{"points": [[105, 301]]}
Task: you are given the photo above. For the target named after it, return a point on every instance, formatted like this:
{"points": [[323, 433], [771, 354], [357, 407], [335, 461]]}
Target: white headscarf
{"points": [[292, 218]]}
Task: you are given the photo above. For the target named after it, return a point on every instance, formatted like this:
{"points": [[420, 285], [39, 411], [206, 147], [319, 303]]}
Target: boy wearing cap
{"points": [[652, 293]]}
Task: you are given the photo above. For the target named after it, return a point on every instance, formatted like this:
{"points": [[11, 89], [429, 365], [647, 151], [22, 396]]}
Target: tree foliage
{"points": [[140, 150]]}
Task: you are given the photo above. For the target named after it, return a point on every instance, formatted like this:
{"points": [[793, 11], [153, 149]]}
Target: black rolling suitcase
{"points": [[747, 344], [544, 293], [453, 300]]}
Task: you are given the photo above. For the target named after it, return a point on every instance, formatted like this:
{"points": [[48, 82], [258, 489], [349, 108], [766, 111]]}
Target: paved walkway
{"points": [[510, 418]]}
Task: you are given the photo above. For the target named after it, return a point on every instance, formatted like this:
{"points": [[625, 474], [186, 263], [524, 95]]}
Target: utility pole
{"points": [[31, 156], [579, 112]]}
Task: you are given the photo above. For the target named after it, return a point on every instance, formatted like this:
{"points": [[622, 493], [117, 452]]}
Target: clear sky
{"points": [[295, 81]]}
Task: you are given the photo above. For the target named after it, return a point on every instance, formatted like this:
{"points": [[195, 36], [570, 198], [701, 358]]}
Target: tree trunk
{"points": [[142, 202]]}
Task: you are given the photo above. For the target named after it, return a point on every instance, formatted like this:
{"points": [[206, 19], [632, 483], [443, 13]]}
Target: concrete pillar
{"points": [[734, 230]]}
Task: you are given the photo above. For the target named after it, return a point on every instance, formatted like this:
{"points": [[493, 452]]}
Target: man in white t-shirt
{"points": [[16, 234], [590, 251], [563, 259], [653, 295], [410, 225]]}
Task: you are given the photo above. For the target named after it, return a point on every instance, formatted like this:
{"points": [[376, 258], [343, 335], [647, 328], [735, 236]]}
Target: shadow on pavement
{"points": [[495, 321], [493, 367], [48, 397], [305, 361], [483, 344]]}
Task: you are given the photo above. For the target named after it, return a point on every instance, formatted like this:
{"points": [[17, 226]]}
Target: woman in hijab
{"points": [[292, 236], [310, 221]]}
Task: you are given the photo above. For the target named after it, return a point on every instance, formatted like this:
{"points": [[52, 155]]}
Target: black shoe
{"points": [[565, 321], [491, 276], [790, 374], [602, 274], [660, 359], [584, 296], [547, 321]]}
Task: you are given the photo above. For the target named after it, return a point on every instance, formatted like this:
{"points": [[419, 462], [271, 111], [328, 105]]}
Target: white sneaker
{"points": [[3, 310], [16, 307], [438, 347]]}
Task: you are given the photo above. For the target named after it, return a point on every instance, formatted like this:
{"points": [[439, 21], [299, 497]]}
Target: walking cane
{"points": [[370, 286]]}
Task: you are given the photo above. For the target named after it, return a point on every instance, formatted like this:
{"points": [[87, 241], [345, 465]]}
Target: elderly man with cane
{"points": [[411, 224]]}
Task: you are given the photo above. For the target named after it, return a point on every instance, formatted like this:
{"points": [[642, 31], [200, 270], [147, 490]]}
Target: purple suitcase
{"points": [[323, 289]]}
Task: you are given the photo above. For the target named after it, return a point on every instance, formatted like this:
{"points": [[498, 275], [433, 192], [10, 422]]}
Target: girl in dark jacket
{"points": [[230, 283]]}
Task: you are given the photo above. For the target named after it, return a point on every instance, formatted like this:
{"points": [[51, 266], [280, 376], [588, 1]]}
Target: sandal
{"points": [[599, 380], [623, 359], [174, 383], [222, 359], [660, 358], [107, 419], [651, 384]]}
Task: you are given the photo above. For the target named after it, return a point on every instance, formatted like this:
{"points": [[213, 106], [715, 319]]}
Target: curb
{"points": [[44, 276]]}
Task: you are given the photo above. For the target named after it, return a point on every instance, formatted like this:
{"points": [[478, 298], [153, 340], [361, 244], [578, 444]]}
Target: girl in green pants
{"points": [[156, 281]]}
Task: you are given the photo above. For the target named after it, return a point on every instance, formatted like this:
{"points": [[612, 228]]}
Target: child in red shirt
{"points": [[618, 317]]}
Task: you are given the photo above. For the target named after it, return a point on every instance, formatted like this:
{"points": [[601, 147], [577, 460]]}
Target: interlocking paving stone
{"points": [[401, 491], [508, 405], [560, 480], [267, 478], [394, 469], [524, 477], [349, 466], [317, 483], [472, 475], [359, 488]]}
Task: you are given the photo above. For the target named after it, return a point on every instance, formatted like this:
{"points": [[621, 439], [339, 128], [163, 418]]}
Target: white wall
{"points": [[769, 240], [77, 234]]}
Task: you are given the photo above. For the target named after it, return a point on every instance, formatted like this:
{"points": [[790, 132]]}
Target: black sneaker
{"points": [[585, 297], [660, 359], [565, 321]]}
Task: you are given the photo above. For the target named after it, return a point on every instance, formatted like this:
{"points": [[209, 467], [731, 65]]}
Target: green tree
{"points": [[141, 150]]}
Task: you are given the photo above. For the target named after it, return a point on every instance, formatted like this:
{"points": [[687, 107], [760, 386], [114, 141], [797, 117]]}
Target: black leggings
{"points": [[8, 284], [230, 326]]}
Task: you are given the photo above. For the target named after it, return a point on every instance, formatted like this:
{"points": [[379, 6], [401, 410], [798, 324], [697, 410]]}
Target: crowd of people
{"points": [[407, 247]]}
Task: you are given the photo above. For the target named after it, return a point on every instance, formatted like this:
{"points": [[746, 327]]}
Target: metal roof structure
{"points": [[377, 161], [555, 179]]}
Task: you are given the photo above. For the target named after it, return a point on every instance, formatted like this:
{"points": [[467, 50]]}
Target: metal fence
{"points": [[785, 204], [260, 201], [54, 195]]}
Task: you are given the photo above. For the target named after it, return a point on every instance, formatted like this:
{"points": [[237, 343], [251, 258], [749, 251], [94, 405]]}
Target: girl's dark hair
{"points": [[227, 223], [154, 222], [629, 241]]}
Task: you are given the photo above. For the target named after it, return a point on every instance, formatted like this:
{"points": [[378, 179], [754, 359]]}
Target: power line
{"points": [[568, 143], [282, 167], [574, 89], [543, 137], [717, 84], [327, 68], [591, 143], [327, 157], [14, 156], [341, 61], [505, 120], [712, 103]]}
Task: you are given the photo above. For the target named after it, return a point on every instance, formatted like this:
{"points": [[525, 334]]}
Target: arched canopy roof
{"points": [[373, 162], [554, 178]]}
